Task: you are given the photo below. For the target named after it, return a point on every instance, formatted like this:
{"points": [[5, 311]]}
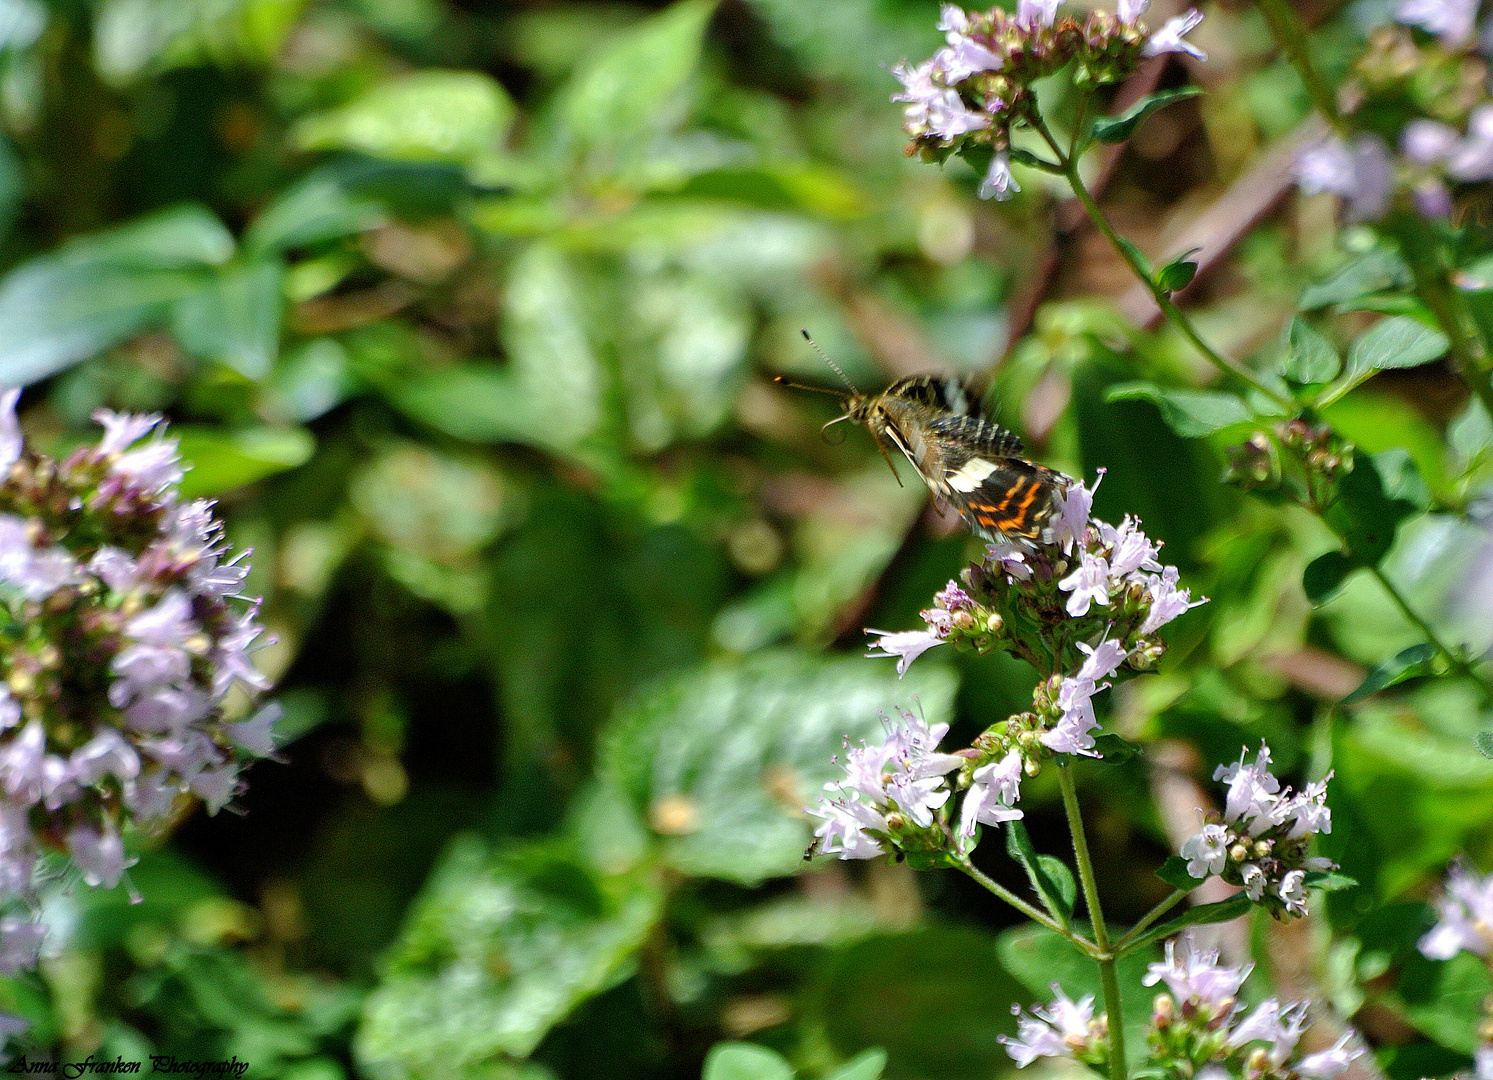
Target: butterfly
{"points": [[967, 460]]}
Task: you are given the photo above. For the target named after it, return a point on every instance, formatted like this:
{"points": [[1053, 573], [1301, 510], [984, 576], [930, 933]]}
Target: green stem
{"points": [[1123, 946], [1290, 36], [1455, 662], [1131, 256], [1034, 913], [1445, 303], [1104, 955]]}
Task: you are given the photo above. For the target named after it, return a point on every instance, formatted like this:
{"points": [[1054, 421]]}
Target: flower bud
{"points": [[1163, 1012], [994, 623]]}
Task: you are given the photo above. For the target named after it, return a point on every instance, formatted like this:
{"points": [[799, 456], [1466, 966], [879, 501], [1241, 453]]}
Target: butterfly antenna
{"points": [[833, 366], [783, 380]]}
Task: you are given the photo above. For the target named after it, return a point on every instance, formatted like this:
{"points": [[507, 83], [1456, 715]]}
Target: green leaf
{"points": [[781, 185], [1190, 413], [1401, 479], [1178, 273], [1031, 160], [626, 89], [1116, 129], [1222, 911], [1483, 740], [1396, 342], [310, 381], [951, 995], [234, 318], [1329, 881], [1407, 664], [549, 396], [431, 115], [97, 291], [1309, 357], [499, 947], [133, 38], [1174, 873], [745, 1061], [1325, 574], [1365, 515], [223, 460], [867, 1065], [1445, 999], [316, 209], [177, 238], [1373, 272], [720, 759], [1115, 748], [1051, 880]]}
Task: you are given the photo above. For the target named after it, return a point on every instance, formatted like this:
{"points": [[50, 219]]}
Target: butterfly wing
{"points": [[999, 495], [940, 394]]}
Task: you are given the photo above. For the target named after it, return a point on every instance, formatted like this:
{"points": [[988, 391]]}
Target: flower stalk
{"points": [[1104, 955]]}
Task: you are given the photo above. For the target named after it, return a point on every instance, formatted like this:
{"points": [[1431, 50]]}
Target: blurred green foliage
{"points": [[465, 312]]}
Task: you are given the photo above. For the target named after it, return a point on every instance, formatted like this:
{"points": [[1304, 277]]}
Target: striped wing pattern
{"points": [[969, 461]]}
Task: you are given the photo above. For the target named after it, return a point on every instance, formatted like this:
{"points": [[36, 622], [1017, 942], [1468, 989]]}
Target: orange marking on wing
{"points": [[1015, 490], [1016, 522]]}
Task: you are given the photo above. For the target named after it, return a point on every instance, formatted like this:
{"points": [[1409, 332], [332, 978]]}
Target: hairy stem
{"points": [[1174, 315], [1104, 955], [1031, 912], [1445, 302], [1127, 942], [1290, 37], [1457, 663]]}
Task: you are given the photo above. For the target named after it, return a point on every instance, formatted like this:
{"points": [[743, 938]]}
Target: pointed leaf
{"points": [[430, 115], [721, 759], [1325, 574], [623, 93], [1309, 356], [1190, 413], [867, 1065], [1178, 273], [1367, 511], [745, 1061], [1174, 873], [316, 209], [498, 948], [1114, 748], [1116, 129], [1330, 881], [1373, 272], [1051, 880], [1407, 664], [234, 319], [221, 460], [1396, 342], [1223, 911], [1031, 160]]}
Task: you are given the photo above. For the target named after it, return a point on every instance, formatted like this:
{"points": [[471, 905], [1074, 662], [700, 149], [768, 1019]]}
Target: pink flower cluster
{"points": [[1199, 1024], [980, 84], [1262, 839], [1096, 581], [127, 639]]}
